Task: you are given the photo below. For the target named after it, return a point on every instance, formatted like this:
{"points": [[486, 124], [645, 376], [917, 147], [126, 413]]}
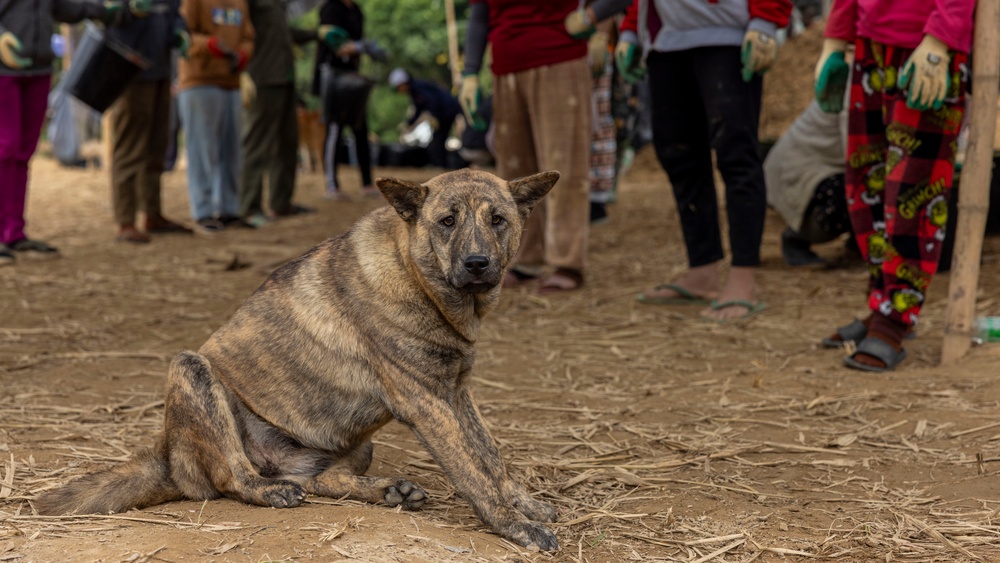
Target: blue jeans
{"points": [[211, 121]]}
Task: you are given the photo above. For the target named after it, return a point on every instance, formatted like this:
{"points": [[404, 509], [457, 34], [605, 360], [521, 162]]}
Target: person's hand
{"points": [[140, 8], [182, 41], [348, 49], [248, 90], [218, 49], [926, 73], [332, 36], [237, 59], [112, 11], [469, 97], [758, 53], [832, 73], [597, 50], [580, 24], [10, 47], [628, 59]]}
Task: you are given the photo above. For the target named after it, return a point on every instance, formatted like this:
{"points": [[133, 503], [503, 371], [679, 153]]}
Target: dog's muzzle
{"points": [[478, 276]]}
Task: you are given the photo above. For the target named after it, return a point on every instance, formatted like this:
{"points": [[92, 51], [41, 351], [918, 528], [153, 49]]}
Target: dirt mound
{"points": [[788, 86]]}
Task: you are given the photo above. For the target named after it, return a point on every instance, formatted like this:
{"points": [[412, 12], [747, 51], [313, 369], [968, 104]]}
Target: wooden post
{"points": [[449, 15], [974, 196]]}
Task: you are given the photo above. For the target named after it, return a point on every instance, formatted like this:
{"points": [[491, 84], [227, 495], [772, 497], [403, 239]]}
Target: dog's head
{"points": [[466, 225]]}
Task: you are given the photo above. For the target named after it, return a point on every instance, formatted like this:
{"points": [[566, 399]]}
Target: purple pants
{"points": [[23, 100]]}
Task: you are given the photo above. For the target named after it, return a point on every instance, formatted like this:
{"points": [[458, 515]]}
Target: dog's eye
{"points": [[448, 221], [498, 220]]}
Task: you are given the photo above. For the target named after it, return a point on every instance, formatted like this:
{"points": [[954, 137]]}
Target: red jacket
{"points": [[903, 23]]}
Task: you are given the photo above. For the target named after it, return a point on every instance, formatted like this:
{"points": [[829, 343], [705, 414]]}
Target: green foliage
{"points": [[386, 110], [415, 35]]}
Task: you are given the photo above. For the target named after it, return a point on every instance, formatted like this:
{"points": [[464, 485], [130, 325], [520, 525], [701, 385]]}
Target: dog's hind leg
{"points": [[345, 479], [204, 440]]}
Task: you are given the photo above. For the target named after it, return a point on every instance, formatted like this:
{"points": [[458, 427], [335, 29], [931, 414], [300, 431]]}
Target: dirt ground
{"points": [[658, 435]]}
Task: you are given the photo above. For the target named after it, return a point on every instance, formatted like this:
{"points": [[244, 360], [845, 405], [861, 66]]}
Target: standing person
{"points": [[603, 144], [435, 100], [221, 46], [542, 120], [271, 130], [140, 122], [907, 99], [343, 19], [25, 75], [704, 63]]}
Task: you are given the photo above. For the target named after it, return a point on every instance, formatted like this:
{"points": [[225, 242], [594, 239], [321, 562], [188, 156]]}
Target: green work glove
{"points": [[832, 73], [10, 46], [579, 24], [334, 37], [927, 68], [469, 96], [628, 59], [758, 53], [140, 8], [112, 11], [182, 41]]}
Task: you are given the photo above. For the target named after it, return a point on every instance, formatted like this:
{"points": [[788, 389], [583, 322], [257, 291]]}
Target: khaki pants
{"points": [[542, 121], [140, 125]]}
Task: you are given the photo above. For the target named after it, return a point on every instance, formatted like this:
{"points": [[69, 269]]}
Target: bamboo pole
{"points": [[973, 196], [449, 14]]}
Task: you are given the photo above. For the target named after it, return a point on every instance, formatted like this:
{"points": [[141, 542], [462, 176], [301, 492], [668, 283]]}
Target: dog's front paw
{"points": [[282, 494], [528, 534], [407, 494], [537, 510]]}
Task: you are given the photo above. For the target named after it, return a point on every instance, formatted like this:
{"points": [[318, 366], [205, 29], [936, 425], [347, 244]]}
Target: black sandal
{"points": [[878, 349], [852, 332]]}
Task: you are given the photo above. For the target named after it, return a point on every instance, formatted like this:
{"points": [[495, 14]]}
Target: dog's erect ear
{"points": [[528, 191], [405, 197]]}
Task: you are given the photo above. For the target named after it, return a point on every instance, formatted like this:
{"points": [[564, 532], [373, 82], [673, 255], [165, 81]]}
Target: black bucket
{"points": [[102, 68]]}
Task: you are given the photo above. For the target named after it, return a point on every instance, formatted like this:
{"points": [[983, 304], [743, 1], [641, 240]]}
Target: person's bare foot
{"points": [[563, 279], [701, 282], [128, 233], [741, 288], [370, 191]]}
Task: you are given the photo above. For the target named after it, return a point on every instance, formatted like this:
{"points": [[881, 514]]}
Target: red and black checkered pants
{"points": [[900, 163]]}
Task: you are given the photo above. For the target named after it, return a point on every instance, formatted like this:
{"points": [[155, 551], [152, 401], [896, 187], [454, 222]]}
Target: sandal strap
{"points": [[856, 330], [880, 350]]}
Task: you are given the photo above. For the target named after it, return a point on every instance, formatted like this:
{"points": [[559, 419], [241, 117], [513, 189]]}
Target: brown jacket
{"points": [[228, 21]]}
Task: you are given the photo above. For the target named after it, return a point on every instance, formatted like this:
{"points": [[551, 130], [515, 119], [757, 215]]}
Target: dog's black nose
{"points": [[477, 264]]}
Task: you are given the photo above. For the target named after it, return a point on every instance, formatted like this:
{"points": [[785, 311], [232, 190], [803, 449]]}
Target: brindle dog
{"points": [[378, 323]]}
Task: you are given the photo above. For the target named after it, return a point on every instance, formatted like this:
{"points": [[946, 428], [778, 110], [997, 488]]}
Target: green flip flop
{"points": [[752, 309], [684, 296]]}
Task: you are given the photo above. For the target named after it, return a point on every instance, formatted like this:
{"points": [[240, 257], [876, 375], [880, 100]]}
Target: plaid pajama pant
{"points": [[900, 164]]}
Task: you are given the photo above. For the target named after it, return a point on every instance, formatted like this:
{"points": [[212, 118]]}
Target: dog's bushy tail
{"points": [[142, 481]]}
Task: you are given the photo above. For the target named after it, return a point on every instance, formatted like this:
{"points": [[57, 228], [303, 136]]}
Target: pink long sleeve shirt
{"points": [[903, 23]]}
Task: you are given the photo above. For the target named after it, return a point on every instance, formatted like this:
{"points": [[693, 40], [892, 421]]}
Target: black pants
{"points": [[332, 145], [437, 149], [270, 149], [699, 103]]}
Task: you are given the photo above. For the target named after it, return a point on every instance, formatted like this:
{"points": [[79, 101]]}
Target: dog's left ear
{"points": [[405, 197], [528, 191]]}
